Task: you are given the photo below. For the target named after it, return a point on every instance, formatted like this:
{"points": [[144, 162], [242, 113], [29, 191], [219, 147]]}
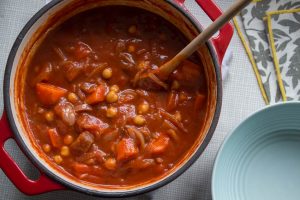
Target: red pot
{"points": [[11, 125]]}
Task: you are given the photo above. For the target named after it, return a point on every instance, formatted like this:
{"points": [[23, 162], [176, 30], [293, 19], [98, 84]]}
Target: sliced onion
{"points": [[172, 118], [138, 134]]}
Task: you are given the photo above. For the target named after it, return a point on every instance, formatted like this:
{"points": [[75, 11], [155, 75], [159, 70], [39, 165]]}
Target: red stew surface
{"points": [[84, 112]]}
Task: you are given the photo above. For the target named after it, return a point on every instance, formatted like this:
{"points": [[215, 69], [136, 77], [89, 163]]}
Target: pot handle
{"points": [[13, 171], [221, 41]]}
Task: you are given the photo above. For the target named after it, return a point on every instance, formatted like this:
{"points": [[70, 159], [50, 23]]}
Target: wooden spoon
{"points": [[163, 72]]}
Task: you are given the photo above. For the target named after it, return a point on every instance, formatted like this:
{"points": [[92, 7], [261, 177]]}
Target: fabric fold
{"points": [[256, 31]]}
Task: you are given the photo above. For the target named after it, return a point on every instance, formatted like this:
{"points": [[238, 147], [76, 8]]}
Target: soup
{"points": [[84, 111]]}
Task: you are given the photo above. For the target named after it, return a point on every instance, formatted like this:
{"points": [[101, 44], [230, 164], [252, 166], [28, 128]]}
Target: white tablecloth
{"points": [[241, 97]]}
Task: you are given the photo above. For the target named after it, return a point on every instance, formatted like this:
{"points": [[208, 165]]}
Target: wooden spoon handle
{"points": [[166, 69]]}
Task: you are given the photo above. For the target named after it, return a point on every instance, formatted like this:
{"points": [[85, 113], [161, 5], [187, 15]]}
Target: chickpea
{"points": [[115, 88], [111, 112], [68, 139], [143, 64], [132, 29], [46, 148], [143, 108], [139, 120], [65, 151], [107, 73], [110, 163], [111, 97], [175, 85], [72, 97], [49, 116], [131, 48], [58, 159]]}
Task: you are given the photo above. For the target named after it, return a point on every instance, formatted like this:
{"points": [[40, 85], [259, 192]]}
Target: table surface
{"points": [[241, 97]]}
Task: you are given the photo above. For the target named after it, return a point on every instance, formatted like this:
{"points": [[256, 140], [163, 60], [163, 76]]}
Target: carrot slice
{"points": [[126, 149], [199, 101], [49, 94], [81, 168], [55, 138], [159, 145], [97, 96]]}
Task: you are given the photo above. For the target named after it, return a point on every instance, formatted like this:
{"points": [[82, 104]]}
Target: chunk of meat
{"points": [[82, 50], [95, 70], [158, 145], [55, 138], [188, 74], [88, 87], [63, 128], [126, 149], [141, 163], [91, 123], [72, 70], [83, 142], [94, 153], [97, 96], [49, 94], [110, 135], [65, 110], [126, 96], [83, 108]]}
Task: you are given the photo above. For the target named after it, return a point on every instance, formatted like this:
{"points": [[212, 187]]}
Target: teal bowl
{"points": [[260, 159]]}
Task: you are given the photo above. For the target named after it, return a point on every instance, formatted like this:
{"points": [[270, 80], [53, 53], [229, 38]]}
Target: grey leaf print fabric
{"points": [[256, 32], [287, 50]]}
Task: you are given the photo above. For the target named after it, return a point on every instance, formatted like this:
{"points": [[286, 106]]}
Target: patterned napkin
{"points": [[284, 37], [256, 29]]}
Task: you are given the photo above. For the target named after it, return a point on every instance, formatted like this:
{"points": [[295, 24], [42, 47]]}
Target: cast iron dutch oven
{"points": [[11, 126]]}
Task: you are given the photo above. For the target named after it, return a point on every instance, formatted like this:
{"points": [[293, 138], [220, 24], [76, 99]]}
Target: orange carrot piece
{"points": [[199, 101], [126, 149], [97, 96], [55, 138], [94, 179], [81, 168], [159, 145], [49, 94]]}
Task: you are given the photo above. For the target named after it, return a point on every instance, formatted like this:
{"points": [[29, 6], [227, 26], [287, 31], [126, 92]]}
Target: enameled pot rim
{"points": [[151, 187]]}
